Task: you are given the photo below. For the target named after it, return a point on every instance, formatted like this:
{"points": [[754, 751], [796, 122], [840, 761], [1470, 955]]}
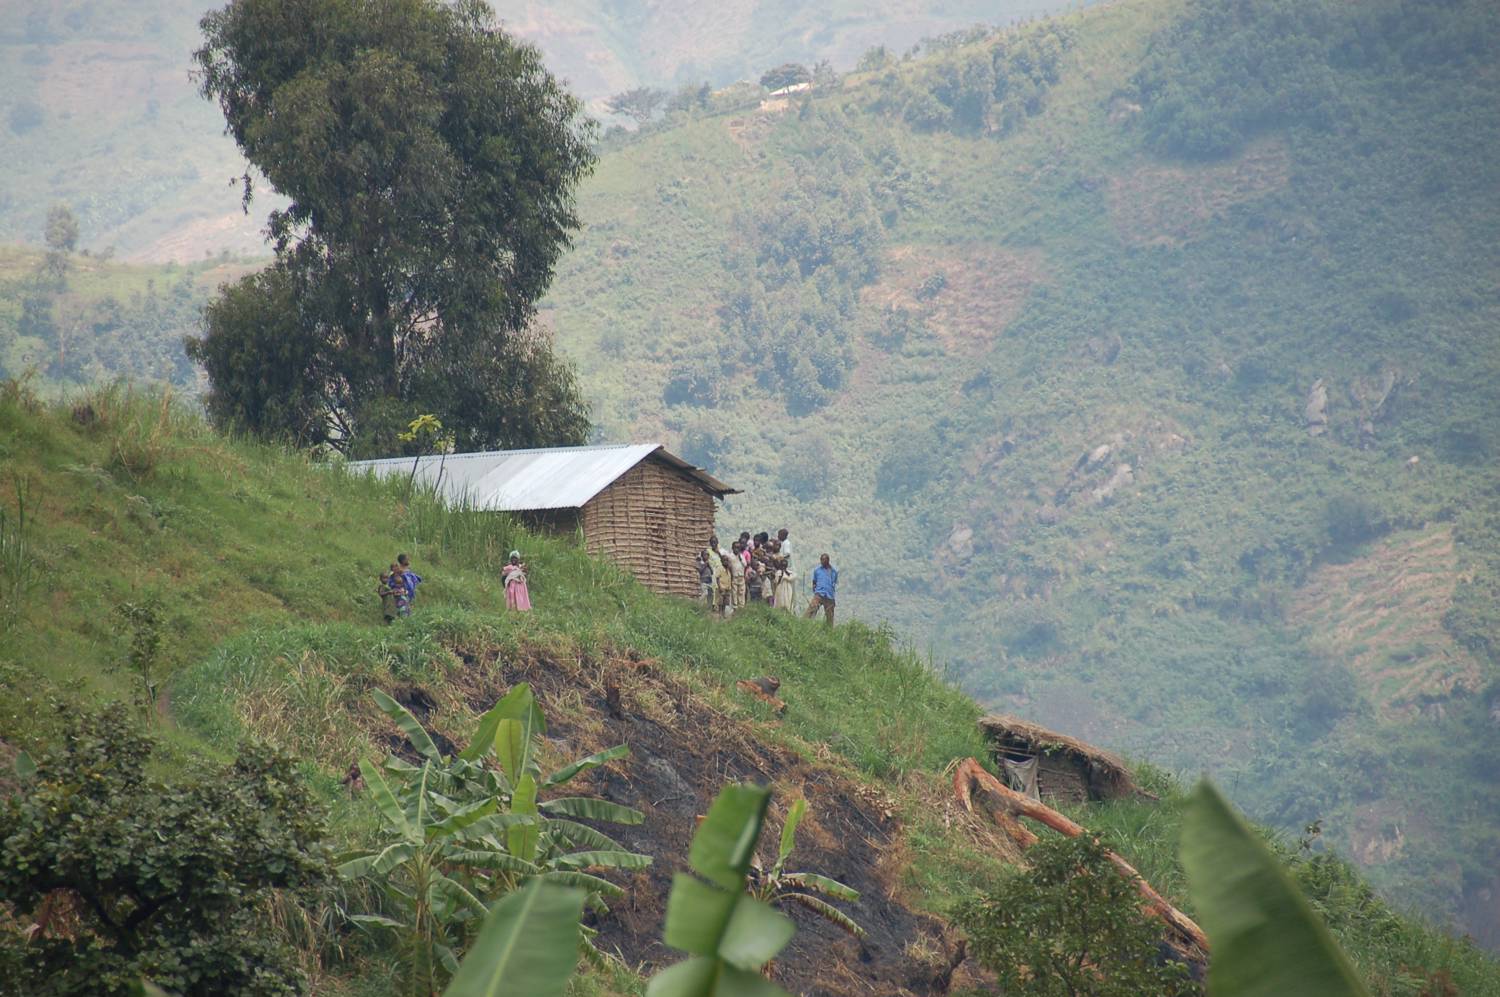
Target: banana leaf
{"points": [[826, 911], [1267, 940], [460, 819], [409, 725], [594, 884], [385, 801], [567, 772], [521, 839], [789, 832], [602, 860], [580, 835], [528, 945], [724, 844], [702, 976], [588, 808], [822, 884]]}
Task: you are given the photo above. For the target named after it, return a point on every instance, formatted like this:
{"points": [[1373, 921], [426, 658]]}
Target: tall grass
{"points": [[19, 570]]}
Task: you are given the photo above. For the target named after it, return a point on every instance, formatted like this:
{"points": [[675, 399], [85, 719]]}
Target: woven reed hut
{"points": [[642, 507], [1067, 769]]}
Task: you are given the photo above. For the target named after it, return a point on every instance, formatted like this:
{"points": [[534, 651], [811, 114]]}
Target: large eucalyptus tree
{"points": [[429, 162]]}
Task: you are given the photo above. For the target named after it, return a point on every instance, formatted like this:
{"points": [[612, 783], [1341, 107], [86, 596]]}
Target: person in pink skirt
{"points": [[517, 596]]}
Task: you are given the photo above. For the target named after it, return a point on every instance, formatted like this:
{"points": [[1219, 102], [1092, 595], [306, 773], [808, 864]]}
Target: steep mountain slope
{"points": [[98, 109], [1142, 363], [254, 569], [603, 48]]}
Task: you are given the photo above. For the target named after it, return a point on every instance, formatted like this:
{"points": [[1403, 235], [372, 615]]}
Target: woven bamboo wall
{"points": [[652, 522]]}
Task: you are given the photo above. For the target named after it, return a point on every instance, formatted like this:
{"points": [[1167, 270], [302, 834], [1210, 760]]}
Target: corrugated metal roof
{"points": [[522, 480]]}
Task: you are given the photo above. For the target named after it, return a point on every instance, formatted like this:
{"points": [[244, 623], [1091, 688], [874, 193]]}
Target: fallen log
{"points": [[1004, 805], [764, 688]]}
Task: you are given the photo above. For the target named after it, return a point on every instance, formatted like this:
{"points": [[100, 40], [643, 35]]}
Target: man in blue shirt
{"points": [[825, 580]]}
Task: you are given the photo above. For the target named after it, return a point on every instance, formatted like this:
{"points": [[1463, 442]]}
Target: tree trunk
{"points": [[1004, 805]]}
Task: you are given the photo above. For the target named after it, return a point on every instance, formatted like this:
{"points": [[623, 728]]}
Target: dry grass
{"points": [[1155, 205], [1383, 614]]}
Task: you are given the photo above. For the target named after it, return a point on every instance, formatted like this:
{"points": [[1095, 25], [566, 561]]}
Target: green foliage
{"points": [[777, 886], [529, 945], [808, 467], [1266, 939], [429, 159], [19, 571], [264, 373], [1229, 71], [1070, 925], [143, 621], [786, 75], [62, 230], [728, 935], [1352, 519], [639, 104], [981, 81], [457, 834], [814, 242], [166, 880]]}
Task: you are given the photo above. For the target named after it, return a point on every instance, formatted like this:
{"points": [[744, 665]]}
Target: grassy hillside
{"points": [[1141, 363], [259, 565]]}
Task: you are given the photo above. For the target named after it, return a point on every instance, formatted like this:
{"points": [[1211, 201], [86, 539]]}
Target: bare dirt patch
{"points": [[108, 79], [192, 239], [1382, 614], [966, 295], [1171, 205], [683, 750]]}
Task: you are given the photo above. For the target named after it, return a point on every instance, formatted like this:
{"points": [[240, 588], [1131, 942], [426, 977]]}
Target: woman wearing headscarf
{"points": [[517, 596]]}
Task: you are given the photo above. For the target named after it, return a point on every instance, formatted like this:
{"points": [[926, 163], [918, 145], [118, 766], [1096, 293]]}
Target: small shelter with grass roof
{"points": [[647, 510], [1043, 763]]}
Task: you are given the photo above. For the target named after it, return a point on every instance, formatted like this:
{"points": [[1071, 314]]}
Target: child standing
{"points": [[387, 597], [724, 588], [399, 590], [705, 579]]}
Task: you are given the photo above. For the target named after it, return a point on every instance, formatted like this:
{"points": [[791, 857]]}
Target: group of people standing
{"points": [[758, 569], [398, 587]]}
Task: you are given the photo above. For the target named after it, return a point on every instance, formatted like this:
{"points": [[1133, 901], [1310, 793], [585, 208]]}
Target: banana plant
{"points": [[459, 832], [729, 936], [778, 886]]}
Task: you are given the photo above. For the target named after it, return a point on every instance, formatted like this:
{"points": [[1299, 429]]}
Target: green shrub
{"points": [[1352, 519], [1068, 926], [165, 881]]}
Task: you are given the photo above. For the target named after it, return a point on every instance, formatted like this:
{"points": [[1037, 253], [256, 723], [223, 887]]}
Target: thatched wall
{"points": [[652, 522], [1068, 770]]}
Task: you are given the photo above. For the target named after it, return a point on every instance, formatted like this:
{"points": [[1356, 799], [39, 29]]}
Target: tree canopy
{"points": [[429, 161]]}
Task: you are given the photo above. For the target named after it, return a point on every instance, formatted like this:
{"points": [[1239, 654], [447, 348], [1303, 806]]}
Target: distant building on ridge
{"points": [[647, 510]]}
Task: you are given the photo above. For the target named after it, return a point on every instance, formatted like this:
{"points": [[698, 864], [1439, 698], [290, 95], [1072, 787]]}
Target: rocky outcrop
{"points": [[1315, 409], [1124, 475]]}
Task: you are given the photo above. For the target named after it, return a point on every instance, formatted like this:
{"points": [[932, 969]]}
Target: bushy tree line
{"points": [[972, 87], [1232, 69], [429, 160]]}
